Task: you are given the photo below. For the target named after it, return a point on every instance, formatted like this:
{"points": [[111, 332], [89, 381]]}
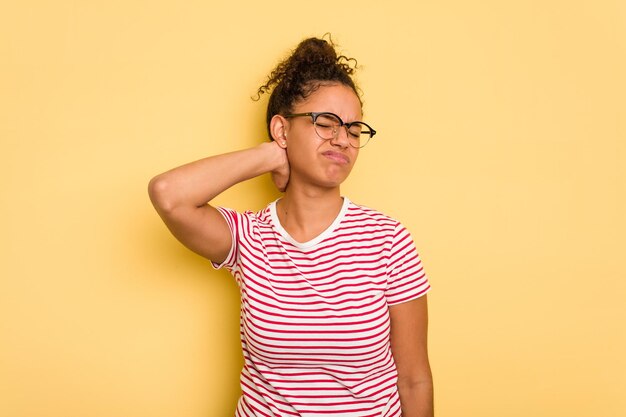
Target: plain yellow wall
{"points": [[501, 146]]}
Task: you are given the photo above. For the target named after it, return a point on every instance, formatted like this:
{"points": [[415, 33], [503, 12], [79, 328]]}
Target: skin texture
{"points": [[409, 327], [310, 170], [312, 199]]}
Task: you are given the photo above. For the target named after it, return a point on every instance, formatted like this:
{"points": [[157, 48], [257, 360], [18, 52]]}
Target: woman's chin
{"points": [[336, 177], [324, 179], [333, 182], [326, 183]]}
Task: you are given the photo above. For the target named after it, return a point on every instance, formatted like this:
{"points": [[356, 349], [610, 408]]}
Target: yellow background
{"points": [[501, 146]]}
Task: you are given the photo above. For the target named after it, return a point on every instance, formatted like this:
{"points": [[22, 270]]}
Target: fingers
{"points": [[281, 180]]}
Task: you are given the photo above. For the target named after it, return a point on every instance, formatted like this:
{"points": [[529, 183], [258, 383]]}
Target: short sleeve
{"points": [[233, 219], [406, 279]]}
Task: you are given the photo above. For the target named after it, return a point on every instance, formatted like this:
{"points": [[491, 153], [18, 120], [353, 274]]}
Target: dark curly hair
{"points": [[312, 64]]}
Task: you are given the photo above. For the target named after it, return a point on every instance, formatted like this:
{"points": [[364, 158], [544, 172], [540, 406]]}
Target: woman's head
{"points": [[312, 64], [314, 112], [320, 153]]}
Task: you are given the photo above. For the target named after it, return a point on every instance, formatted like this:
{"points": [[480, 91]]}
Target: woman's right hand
{"points": [[280, 174]]}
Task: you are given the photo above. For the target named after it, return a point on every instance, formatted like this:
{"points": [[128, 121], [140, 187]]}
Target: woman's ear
{"points": [[278, 129]]}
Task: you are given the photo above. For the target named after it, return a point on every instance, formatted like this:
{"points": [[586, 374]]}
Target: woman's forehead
{"points": [[335, 98]]}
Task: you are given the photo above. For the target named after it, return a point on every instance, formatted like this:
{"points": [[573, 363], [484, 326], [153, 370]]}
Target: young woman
{"points": [[333, 294]]}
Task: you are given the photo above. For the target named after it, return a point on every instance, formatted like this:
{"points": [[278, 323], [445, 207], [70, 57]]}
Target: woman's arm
{"points": [[180, 195], [409, 327]]}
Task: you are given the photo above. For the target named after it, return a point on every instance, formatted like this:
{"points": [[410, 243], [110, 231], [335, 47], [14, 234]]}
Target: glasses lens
{"points": [[359, 134], [326, 125]]}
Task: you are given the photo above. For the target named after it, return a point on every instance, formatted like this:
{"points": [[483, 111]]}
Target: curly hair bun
{"points": [[313, 63], [316, 54]]}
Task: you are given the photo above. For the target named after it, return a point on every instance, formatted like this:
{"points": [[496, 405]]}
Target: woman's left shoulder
{"points": [[366, 211], [371, 215]]}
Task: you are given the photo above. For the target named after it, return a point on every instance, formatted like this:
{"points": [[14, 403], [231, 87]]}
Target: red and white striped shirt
{"points": [[314, 315]]}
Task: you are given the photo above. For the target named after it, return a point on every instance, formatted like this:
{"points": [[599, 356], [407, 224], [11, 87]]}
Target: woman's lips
{"points": [[337, 157]]}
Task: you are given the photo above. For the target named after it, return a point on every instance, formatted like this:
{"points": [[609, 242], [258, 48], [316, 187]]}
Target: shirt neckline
{"points": [[310, 243]]}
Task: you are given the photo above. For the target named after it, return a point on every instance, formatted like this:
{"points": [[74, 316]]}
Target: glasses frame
{"points": [[315, 115]]}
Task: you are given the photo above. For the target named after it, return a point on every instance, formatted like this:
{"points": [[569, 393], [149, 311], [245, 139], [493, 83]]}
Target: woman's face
{"points": [[313, 160]]}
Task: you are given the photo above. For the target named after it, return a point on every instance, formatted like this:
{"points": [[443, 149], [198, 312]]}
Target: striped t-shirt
{"points": [[314, 315]]}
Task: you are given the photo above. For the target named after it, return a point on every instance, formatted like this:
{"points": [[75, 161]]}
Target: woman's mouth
{"points": [[337, 157]]}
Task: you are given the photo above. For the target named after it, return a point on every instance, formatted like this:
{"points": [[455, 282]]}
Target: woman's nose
{"points": [[340, 136]]}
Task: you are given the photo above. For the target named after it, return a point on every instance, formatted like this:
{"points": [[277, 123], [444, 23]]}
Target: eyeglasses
{"points": [[327, 127]]}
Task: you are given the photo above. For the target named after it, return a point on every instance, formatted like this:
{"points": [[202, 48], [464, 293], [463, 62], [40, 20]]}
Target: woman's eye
{"points": [[355, 130], [327, 121]]}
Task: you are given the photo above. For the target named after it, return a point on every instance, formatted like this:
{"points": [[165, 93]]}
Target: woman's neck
{"points": [[306, 213]]}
